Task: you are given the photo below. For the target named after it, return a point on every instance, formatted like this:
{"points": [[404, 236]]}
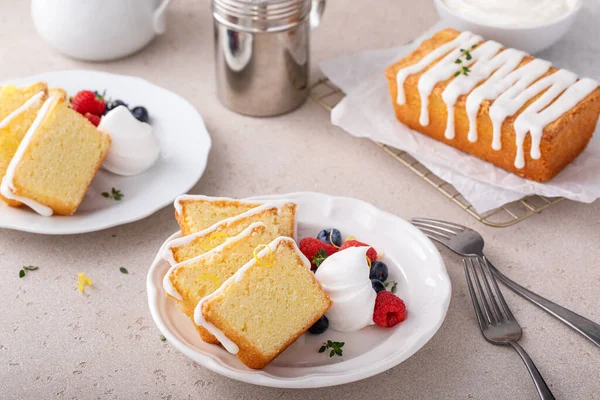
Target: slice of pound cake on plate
{"points": [[279, 218], [192, 280], [194, 213], [266, 305], [57, 159], [18, 109]]}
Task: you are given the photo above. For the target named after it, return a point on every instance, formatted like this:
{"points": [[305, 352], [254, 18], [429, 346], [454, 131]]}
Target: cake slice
{"points": [[18, 109], [266, 305], [57, 159], [194, 279], [279, 219], [194, 213]]}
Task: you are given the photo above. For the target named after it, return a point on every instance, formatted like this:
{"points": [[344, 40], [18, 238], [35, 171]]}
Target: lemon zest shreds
{"points": [[216, 236], [213, 241], [331, 239], [350, 238], [210, 277], [368, 261], [82, 280], [259, 262]]}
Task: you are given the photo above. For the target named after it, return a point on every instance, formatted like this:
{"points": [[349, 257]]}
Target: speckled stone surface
{"points": [[58, 343]]}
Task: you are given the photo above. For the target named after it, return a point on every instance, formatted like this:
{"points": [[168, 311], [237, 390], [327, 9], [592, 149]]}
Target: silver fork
{"points": [[469, 243], [498, 325]]}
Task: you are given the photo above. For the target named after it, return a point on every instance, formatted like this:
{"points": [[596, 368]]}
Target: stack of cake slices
{"points": [[49, 153], [238, 274]]}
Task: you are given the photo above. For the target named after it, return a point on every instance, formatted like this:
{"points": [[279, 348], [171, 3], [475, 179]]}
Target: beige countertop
{"points": [[58, 343]]}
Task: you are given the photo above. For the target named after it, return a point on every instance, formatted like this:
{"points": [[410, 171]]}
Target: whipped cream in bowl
{"points": [[134, 146], [528, 25], [345, 277]]}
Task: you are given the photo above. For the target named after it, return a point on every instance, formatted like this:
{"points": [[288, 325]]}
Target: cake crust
{"points": [[562, 140]]}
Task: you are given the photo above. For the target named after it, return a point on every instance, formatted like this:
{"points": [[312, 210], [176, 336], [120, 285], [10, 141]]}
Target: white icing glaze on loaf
{"points": [[508, 86]]}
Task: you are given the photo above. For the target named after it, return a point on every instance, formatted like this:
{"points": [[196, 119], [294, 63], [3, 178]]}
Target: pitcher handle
{"points": [[158, 18], [316, 12]]}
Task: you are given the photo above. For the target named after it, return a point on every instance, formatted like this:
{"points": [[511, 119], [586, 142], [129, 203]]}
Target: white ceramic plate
{"points": [[414, 263], [184, 147]]}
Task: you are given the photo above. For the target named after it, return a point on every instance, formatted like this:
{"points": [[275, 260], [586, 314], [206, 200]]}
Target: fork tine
{"points": [[490, 294], [431, 226], [435, 233], [484, 300], [480, 317], [443, 223], [503, 304]]}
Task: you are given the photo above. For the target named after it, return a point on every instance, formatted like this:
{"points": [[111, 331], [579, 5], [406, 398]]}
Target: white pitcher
{"points": [[96, 30]]}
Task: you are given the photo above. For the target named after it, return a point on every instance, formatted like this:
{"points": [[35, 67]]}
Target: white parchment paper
{"points": [[367, 111]]}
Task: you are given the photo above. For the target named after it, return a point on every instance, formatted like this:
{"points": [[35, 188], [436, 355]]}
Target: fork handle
{"points": [[587, 328], [538, 380]]}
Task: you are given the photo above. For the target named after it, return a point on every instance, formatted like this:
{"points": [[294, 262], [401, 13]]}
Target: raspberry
{"points": [[316, 251], [94, 119], [371, 253], [86, 101], [389, 311]]}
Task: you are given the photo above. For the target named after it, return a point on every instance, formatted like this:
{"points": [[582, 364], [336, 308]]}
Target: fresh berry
{"points": [[389, 311], [141, 114], [94, 119], [320, 326], [378, 286], [114, 104], [330, 236], [371, 253], [379, 271], [316, 251], [87, 101]]}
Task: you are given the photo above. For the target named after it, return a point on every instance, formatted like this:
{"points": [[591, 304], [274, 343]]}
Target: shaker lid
{"points": [[261, 15]]}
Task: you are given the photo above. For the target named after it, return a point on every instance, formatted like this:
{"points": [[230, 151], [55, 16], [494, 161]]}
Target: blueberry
{"points": [[140, 113], [320, 326], [378, 271], [378, 286], [114, 104], [330, 236]]}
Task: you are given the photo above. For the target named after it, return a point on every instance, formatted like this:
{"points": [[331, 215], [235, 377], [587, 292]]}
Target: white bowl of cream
{"points": [[528, 25]]}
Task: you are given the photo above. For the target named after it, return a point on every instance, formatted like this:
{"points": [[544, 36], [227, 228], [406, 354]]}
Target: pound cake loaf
{"points": [[279, 219], [501, 105], [194, 213], [192, 280], [266, 305], [18, 109], [56, 160]]}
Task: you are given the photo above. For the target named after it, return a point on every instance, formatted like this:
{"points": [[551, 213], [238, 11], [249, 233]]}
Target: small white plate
{"points": [[413, 262], [184, 148]]}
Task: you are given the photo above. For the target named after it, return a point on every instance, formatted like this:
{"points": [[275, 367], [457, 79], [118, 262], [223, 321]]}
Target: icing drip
{"points": [[34, 101], [425, 62], [441, 71], [535, 118], [504, 82], [463, 84], [7, 186]]}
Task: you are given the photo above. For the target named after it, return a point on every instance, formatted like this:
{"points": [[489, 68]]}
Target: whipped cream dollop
{"points": [[134, 148], [512, 13], [345, 277]]}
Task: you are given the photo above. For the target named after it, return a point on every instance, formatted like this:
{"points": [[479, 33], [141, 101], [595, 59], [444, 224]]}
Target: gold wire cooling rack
{"points": [[328, 95]]}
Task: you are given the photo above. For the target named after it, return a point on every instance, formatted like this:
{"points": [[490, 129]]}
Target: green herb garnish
{"points": [[26, 268], [319, 257], [336, 348], [162, 338], [124, 270], [464, 70], [394, 284], [114, 194]]}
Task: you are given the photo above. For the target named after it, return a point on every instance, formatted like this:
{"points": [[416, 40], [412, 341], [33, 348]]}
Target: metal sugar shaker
{"points": [[262, 52]]}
